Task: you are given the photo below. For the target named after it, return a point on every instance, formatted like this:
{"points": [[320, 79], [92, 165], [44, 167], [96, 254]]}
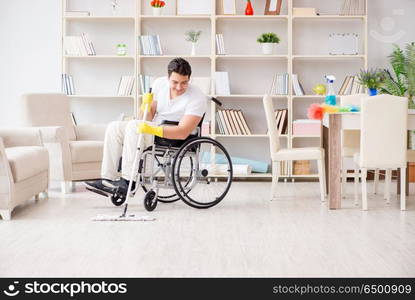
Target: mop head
{"points": [[123, 218]]}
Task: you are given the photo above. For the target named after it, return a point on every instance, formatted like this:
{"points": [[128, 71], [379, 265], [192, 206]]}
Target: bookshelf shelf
{"points": [[251, 18], [304, 175], [253, 56], [248, 96], [100, 18], [328, 57], [329, 17], [98, 57], [245, 136], [186, 56], [252, 175], [101, 96], [174, 17]]}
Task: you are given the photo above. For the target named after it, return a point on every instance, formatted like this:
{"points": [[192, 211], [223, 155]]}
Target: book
{"points": [[235, 122], [298, 89], [242, 117], [231, 124], [240, 124], [67, 84], [222, 83], [150, 45], [226, 124]]}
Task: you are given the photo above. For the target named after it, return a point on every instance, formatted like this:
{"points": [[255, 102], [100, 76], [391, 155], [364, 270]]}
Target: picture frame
{"points": [[228, 7], [270, 5], [191, 7]]}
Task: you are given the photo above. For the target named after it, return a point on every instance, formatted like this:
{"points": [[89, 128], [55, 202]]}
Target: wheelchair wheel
{"points": [[202, 172], [150, 200], [117, 200]]}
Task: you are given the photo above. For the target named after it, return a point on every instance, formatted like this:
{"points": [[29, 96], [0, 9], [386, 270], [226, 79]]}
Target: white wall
{"points": [[29, 52], [30, 49]]}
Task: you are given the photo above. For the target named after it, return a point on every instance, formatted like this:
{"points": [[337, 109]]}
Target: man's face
{"points": [[178, 84]]}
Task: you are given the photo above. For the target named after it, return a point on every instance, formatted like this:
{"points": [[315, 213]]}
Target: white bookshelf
{"points": [[296, 53]]}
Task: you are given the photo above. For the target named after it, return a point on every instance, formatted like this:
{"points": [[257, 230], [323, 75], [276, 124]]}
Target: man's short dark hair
{"points": [[180, 66]]}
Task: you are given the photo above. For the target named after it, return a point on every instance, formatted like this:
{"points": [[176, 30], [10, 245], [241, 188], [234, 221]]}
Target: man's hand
{"points": [[153, 130], [147, 100]]}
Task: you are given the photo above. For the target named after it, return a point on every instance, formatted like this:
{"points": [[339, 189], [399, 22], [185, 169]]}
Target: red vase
{"points": [[249, 11]]}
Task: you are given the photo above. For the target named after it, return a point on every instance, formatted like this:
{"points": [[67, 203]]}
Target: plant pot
{"points": [[373, 92], [193, 51], [267, 48], [157, 11]]}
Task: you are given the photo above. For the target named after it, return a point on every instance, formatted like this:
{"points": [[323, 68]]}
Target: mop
{"points": [[148, 97]]}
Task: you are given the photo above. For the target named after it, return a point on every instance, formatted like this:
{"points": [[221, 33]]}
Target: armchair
{"points": [[75, 151], [24, 167]]}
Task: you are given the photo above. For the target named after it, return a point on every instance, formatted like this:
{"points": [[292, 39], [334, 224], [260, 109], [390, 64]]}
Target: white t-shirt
{"points": [[192, 102]]}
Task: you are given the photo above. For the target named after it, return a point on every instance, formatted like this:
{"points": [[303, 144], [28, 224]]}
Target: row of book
{"points": [[353, 7], [283, 168], [126, 86], [298, 88], [351, 86], [67, 85], [220, 45], [222, 83], [280, 83], [146, 82], [150, 45], [281, 116], [232, 122], [78, 45]]}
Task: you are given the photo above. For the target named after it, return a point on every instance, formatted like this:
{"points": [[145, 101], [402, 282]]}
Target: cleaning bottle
{"points": [[330, 96]]}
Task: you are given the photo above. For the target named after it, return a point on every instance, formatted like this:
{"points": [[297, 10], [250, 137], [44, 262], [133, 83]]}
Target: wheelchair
{"points": [[197, 170]]}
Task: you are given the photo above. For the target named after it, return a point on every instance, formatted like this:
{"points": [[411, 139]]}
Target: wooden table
{"points": [[332, 126]]}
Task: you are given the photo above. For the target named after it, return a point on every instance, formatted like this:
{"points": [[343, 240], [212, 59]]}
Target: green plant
{"points": [[402, 81], [372, 78], [192, 35], [268, 38]]}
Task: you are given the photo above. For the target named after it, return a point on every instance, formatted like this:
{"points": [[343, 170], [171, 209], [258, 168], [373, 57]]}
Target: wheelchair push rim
{"points": [[204, 190]]}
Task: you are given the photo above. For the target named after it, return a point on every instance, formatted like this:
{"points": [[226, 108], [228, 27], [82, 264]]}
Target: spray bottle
{"points": [[330, 96]]}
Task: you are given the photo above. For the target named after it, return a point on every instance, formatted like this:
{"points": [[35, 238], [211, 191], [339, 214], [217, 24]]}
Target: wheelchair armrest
{"points": [[167, 122]]}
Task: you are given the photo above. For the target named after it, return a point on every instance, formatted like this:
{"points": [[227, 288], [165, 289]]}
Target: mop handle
{"points": [[139, 141]]}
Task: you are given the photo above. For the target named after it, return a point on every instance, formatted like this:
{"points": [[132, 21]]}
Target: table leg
{"points": [[334, 161], [325, 143]]}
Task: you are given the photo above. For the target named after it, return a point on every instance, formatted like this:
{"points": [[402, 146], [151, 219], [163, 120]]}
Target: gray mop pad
{"points": [[121, 218]]}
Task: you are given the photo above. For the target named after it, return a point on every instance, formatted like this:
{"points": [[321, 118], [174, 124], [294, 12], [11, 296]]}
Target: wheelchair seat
{"points": [[170, 143]]}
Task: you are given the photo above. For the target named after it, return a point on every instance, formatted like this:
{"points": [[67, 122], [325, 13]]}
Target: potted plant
{"points": [[402, 81], [157, 6], [372, 79], [267, 41], [193, 36]]}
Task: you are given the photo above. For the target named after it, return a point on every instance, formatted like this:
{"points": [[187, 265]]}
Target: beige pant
{"points": [[121, 140]]}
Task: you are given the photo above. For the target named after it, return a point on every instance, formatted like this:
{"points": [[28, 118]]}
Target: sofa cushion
{"points": [[86, 151], [27, 161]]}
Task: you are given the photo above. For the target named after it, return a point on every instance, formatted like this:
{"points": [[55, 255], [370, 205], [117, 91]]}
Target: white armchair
{"points": [[75, 152], [24, 167]]}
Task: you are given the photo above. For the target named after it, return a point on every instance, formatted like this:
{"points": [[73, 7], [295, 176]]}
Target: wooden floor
{"points": [[245, 236]]}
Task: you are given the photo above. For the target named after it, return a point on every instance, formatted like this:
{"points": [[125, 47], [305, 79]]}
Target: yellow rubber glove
{"points": [[147, 99], [154, 130]]}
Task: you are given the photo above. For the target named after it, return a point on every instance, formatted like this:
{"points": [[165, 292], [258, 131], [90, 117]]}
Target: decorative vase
{"points": [[249, 10], [193, 52], [267, 48], [373, 92], [157, 11]]}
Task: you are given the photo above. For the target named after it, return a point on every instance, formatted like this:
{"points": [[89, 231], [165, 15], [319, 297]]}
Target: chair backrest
{"points": [[351, 138], [48, 109], [383, 135], [273, 134], [352, 99]]}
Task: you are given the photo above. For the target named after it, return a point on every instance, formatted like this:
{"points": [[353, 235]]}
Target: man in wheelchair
{"points": [[176, 100]]}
